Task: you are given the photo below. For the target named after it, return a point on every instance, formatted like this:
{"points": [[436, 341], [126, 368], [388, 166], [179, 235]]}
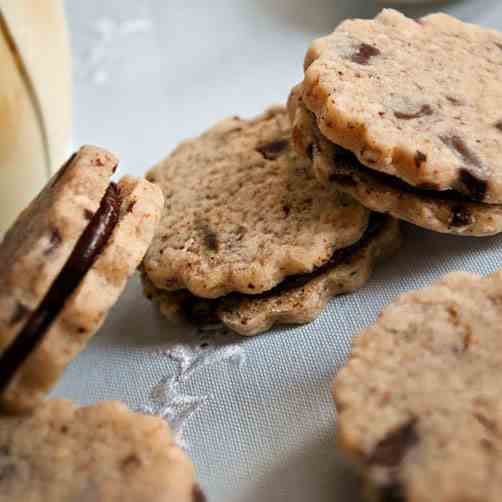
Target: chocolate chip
{"points": [[475, 187], [457, 144], [7, 472], [20, 312], [55, 241], [364, 53], [498, 125], [88, 215], [420, 157], [460, 217], [425, 110], [392, 493], [454, 101], [391, 450], [210, 237], [487, 423], [198, 494], [286, 210], [131, 462], [343, 179], [273, 150], [310, 151], [130, 207]]}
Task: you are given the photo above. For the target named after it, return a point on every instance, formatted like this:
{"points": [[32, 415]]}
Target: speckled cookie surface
{"points": [[419, 100], [86, 308], [444, 212], [243, 212], [296, 302], [419, 400], [40, 242], [100, 453]]}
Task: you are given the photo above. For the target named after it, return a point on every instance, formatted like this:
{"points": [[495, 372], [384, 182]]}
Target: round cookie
{"points": [[100, 453], [243, 212], [298, 300], [417, 100], [69, 256], [419, 401], [444, 212]]}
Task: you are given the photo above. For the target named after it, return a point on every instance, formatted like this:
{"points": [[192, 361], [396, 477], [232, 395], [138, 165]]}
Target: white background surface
{"points": [[257, 415]]}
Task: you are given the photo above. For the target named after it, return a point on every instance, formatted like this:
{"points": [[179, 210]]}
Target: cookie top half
{"points": [[419, 100], [419, 401], [243, 211], [100, 453]]}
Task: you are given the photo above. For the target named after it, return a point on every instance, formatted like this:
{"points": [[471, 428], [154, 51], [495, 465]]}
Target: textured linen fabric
{"points": [[255, 414]]}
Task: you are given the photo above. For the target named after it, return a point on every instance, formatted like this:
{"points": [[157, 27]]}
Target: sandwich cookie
{"points": [[249, 237], [418, 403], [65, 262], [100, 453], [415, 102]]}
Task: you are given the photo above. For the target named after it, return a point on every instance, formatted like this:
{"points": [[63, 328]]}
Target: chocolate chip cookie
{"points": [[419, 401], [298, 299], [100, 453], [65, 262], [416, 101], [446, 212], [244, 217]]}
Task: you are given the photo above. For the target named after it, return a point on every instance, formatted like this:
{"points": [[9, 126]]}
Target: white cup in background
{"points": [[35, 99]]}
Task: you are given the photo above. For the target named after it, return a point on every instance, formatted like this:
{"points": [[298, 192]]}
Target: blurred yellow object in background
{"points": [[35, 99]]}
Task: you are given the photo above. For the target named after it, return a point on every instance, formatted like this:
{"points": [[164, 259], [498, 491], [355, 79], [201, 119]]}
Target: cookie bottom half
{"points": [[298, 299]]}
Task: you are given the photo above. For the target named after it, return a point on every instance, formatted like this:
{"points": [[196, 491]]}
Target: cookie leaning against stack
{"points": [[403, 115], [419, 404], [65, 262], [249, 237]]}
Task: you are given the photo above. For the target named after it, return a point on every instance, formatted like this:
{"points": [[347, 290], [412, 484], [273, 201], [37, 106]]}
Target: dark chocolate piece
{"points": [[498, 125], [55, 241], [392, 493], [458, 145], [198, 494], [273, 150], [454, 101], [20, 312], [87, 249], [475, 187], [210, 237], [392, 449], [419, 158], [460, 216], [364, 53], [423, 112]]}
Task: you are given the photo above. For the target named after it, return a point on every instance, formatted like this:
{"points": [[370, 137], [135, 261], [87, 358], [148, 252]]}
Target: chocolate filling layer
{"points": [[352, 162], [199, 310], [87, 249]]}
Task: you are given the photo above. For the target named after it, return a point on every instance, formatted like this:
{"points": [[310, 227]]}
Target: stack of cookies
{"points": [[249, 237], [402, 115]]}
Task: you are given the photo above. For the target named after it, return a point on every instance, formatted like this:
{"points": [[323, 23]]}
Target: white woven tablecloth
{"points": [[255, 414]]}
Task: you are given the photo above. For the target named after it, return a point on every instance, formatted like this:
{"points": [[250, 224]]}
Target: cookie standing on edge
{"points": [[100, 453], [414, 102], [65, 262], [419, 401], [243, 219]]}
